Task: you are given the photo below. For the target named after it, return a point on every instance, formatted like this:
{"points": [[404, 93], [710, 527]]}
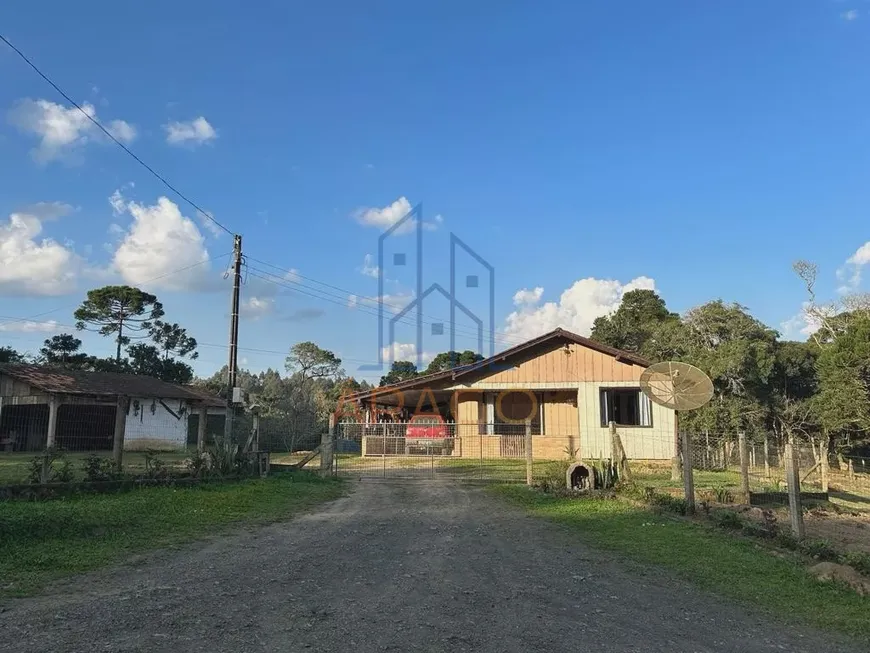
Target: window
{"points": [[626, 407]]}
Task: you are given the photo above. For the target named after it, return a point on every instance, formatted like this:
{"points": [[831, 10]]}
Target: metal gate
{"points": [[451, 451]]}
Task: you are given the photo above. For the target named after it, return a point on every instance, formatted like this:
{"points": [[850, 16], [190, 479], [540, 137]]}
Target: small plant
{"points": [[818, 550], [225, 455], [98, 469], [723, 495], [606, 474], [571, 452], [49, 467], [199, 464], [858, 560], [704, 505], [154, 467], [727, 519]]}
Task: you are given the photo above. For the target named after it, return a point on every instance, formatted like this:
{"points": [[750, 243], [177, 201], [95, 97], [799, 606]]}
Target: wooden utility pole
{"points": [[121, 407], [232, 370]]}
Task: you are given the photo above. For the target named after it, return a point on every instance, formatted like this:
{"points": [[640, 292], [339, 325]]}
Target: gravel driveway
{"points": [[417, 566]]}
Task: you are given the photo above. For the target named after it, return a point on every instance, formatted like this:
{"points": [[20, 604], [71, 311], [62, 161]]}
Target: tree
{"points": [[632, 325], [449, 359], [173, 340], [400, 371], [312, 362], [9, 355], [119, 310], [63, 350], [147, 360]]}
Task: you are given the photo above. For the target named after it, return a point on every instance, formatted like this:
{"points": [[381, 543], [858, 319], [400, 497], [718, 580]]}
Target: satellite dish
{"points": [[676, 385]]}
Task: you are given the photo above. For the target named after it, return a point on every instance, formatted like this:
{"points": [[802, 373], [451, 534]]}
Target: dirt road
{"points": [[393, 567]]}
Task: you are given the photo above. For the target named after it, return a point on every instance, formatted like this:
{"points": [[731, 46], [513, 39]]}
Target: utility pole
{"points": [[232, 366]]}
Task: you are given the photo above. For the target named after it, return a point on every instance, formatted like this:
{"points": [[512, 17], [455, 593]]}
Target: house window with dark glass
{"points": [[626, 407]]}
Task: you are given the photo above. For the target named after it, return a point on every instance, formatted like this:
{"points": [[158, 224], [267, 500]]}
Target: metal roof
{"points": [[104, 384]]}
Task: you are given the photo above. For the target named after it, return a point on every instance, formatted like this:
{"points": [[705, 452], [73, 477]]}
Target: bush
{"points": [[727, 519], [50, 467], [818, 550], [858, 560], [98, 469]]}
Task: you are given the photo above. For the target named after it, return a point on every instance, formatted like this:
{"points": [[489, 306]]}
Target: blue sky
{"points": [[580, 148]]}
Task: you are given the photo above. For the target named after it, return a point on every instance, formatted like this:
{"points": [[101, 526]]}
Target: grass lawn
{"points": [[733, 566], [41, 541], [14, 467]]}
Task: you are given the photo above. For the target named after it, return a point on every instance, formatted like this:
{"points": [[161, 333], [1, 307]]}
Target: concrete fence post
{"points": [[327, 446], [53, 404], [200, 428], [120, 429], [766, 457], [744, 467], [528, 448], [793, 478], [823, 459]]}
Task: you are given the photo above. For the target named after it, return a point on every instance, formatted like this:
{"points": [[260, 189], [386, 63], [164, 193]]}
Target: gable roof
{"points": [[557, 335], [104, 384]]}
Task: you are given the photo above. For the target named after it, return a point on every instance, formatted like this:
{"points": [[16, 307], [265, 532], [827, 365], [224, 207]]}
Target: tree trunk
{"points": [[120, 334]]}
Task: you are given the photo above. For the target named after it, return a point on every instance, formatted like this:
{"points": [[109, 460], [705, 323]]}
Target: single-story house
{"points": [[568, 387], [76, 410]]}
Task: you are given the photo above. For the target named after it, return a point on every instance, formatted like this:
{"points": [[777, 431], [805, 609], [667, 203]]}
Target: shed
{"points": [[75, 409]]}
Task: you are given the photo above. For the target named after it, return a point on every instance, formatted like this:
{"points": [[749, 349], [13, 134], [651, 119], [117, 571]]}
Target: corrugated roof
{"points": [[557, 334], [104, 384]]}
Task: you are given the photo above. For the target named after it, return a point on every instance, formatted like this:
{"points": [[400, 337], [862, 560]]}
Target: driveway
{"points": [[414, 566]]}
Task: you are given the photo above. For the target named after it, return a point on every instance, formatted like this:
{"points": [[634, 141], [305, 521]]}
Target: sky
{"points": [[579, 149]]}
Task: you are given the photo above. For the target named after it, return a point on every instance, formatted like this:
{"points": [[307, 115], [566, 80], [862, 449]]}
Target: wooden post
{"points": [[851, 470], [744, 467], [795, 509], [327, 446], [823, 454], [120, 428], [528, 447], [766, 457], [617, 453], [675, 461], [53, 403], [255, 427], [200, 428], [688, 476]]}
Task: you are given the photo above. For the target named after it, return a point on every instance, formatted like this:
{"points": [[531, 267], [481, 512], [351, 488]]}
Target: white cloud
{"points": [[850, 273], [212, 227], [31, 265], [404, 351], [576, 309], [44, 211], [805, 323], [852, 14], [28, 326], [159, 241], [528, 297], [369, 268], [393, 303], [389, 215], [253, 308], [63, 131], [192, 132], [292, 275]]}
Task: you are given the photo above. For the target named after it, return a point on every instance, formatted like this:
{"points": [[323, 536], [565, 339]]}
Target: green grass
{"points": [[732, 566], [14, 467], [41, 541]]}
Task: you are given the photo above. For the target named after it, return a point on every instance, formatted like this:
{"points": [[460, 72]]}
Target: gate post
{"points": [[528, 447], [327, 446]]}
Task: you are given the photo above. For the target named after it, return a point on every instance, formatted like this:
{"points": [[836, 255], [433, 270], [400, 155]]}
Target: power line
{"points": [[398, 308], [99, 125]]}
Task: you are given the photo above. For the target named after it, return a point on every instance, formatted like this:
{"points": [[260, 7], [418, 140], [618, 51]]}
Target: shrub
{"points": [[858, 560], [50, 467], [723, 495], [98, 469], [818, 550], [154, 467], [727, 519]]}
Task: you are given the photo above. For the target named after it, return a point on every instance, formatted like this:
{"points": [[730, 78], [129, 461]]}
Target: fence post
{"points": [[528, 447], [675, 461], [793, 478], [823, 459], [766, 457], [200, 428], [120, 428], [617, 452], [53, 403], [327, 446], [744, 467], [688, 475], [384, 449]]}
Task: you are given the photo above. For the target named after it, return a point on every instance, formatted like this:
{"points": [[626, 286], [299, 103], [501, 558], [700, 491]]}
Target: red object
{"points": [[426, 427]]}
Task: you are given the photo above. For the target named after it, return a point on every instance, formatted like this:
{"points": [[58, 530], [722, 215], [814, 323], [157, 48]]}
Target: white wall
{"points": [[157, 428], [654, 442]]}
